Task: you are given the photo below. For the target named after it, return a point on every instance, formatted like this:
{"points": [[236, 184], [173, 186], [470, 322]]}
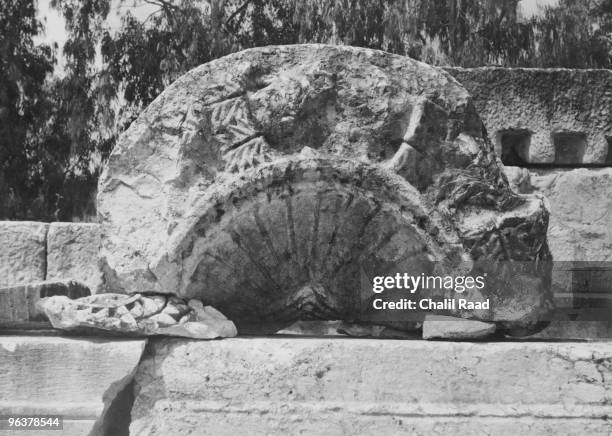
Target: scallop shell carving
{"points": [[275, 183]]}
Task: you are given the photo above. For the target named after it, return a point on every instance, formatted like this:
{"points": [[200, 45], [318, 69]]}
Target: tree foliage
{"points": [[23, 105]]}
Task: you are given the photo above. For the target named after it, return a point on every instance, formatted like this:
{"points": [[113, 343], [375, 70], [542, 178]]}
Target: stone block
{"points": [[23, 254], [370, 386], [77, 378], [447, 327], [18, 304], [579, 234], [72, 253]]}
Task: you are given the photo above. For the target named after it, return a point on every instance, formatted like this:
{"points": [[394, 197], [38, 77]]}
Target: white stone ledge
{"points": [[77, 378], [359, 386]]}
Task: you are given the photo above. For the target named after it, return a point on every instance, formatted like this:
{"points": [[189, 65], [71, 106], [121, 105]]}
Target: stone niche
{"points": [[567, 111], [513, 146], [569, 147], [275, 183]]}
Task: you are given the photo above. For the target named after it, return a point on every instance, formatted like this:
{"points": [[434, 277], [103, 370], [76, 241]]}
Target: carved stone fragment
{"points": [[137, 315], [275, 183]]}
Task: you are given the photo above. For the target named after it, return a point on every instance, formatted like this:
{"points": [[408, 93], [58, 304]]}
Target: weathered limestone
{"points": [[359, 386], [73, 251], [581, 212], [580, 240], [19, 304], [137, 315], [22, 252], [579, 233], [554, 116], [343, 328], [567, 329], [446, 327], [274, 184], [76, 378]]}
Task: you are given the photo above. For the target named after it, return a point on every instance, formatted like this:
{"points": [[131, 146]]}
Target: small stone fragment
{"points": [[214, 312], [200, 330], [374, 331], [128, 321], [312, 328], [448, 327], [137, 311], [195, 304], [175, 310], [151, 305], [189, 317], [163, 319], [122, 310]]}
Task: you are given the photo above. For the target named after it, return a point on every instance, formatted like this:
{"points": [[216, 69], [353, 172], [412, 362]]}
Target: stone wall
{"points": [[33, 252], [546, 124], [544, 116]]}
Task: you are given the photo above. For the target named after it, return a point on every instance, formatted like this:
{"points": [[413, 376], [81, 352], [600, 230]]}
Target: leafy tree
{"points": [[574, 34], [23, 69], [143, 58]]}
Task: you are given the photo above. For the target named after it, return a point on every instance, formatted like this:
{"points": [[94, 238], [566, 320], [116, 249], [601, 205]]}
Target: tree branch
{"points": [[162, 4], [240, 9]]}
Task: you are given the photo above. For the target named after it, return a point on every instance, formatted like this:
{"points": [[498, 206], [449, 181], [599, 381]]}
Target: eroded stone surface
{"points": [[580, 233], [138, 315], [73, 251], [363, 386], [77, 378], [563, 115], [581, 212], [274, 183], [23, 254], [343, 328]]}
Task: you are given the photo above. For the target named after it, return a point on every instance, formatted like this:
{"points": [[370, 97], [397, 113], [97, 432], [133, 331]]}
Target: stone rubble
{"points": [[137, 315]]}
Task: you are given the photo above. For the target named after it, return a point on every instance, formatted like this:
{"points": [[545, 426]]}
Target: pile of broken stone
{"points": [[137, 315], [140, 315], [69, 306]]}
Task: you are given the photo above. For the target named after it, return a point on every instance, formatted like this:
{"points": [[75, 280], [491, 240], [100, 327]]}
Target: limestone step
{"points": [[368, 386], [73, 377]]}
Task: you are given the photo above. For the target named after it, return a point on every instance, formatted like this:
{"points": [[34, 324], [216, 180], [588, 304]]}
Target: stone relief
{"points": [[272, 183]]}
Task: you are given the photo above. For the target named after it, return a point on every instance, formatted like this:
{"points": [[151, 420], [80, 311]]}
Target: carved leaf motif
{"points": [[230, 122], [249, 154]]}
